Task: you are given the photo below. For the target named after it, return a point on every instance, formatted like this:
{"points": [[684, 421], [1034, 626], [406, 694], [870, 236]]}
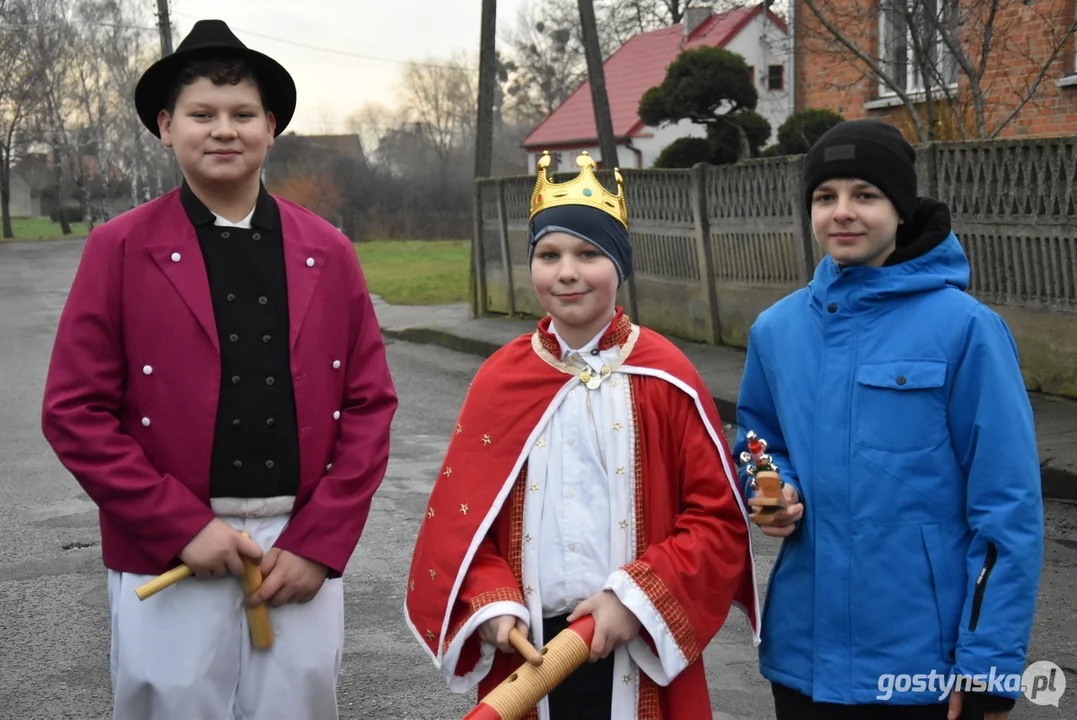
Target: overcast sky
{"points": [[332, 81]]}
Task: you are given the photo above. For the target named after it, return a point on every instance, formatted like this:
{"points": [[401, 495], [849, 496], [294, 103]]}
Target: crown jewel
{"points": [[584, 189]]}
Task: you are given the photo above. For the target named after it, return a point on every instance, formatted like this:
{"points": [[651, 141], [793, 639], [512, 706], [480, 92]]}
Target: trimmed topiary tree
{"points": [[711, 87]]}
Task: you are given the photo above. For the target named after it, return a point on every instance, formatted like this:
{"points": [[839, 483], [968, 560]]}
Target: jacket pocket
{"points": [[981, 585], [948, 578], [900, 405]]}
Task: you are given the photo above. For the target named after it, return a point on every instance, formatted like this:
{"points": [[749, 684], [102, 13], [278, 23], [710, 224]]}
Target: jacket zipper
{"points": [[981, 585]]}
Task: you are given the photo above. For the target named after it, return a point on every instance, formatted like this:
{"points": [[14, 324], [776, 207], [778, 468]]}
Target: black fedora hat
{"points": [[213, 38]]}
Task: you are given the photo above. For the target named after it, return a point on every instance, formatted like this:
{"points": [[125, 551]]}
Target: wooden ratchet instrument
{"points": [[525, 648], [257, 617]]}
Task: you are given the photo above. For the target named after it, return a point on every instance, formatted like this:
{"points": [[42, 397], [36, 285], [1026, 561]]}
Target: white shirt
{"points": [[574, 554], [245, 223]]}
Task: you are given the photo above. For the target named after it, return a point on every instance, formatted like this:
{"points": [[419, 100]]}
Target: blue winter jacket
{"points": [[893, 402]]}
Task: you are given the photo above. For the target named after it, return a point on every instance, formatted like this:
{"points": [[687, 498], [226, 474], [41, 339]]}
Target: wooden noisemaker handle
{"points": [[162, 581], [525, 648], [257, 616]]}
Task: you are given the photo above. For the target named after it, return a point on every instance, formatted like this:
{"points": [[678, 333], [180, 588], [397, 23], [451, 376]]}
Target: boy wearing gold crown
{"points": [[586, 475]]}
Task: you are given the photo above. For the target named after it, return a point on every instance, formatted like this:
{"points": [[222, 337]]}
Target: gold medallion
{"points": [[585, 377]]}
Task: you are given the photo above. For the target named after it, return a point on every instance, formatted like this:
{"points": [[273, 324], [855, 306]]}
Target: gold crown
{"points": [[584, 189]]}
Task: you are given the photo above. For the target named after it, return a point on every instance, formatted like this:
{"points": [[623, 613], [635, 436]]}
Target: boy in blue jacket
{"points": [[893, 403]]}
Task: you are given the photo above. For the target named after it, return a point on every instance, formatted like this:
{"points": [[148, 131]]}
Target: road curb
{"points": [[1058, 484]]}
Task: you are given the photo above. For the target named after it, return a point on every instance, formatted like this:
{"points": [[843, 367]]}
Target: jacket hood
{"points": [[928, 257]]}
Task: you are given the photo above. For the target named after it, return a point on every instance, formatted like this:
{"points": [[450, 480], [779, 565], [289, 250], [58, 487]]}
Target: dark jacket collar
{"points": [[265, 209]]}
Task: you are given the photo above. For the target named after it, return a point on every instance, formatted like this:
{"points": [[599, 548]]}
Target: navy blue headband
{"points": [[586, 223]]}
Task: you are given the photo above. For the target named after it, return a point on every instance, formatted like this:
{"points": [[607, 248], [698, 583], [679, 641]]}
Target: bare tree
{"points": [[548, 63], [52, 39], [371, 122], [962, 65], [440, 102], [20, 81]]}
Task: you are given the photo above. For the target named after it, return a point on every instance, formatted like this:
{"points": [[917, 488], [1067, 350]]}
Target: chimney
{"points": [[694, 16]]}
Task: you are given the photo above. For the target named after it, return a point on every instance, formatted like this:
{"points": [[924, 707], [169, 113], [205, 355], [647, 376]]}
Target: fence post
{"points": [[477, 280], [697, 195], [506, 261], [804, 240]]}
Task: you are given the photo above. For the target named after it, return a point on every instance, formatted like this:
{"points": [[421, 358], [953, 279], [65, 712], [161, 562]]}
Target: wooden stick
{"points": [[160, 582], [257, 616], [525, 648]]}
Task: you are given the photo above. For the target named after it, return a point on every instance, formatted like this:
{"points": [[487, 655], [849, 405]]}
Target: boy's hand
{"points": [[785, 520], [614, 623], [496, 631], [957, 701], [217, 549], [287, 577]]}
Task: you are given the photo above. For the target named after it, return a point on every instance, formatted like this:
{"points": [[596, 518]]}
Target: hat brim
{"points": [[276, 83]]}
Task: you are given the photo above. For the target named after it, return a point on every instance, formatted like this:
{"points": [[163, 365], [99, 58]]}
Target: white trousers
{"points": [[185, 653]]}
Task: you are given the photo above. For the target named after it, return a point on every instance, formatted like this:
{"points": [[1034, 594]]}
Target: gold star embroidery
{"points": [[627, 678], [534, 487], [624, 524], [411, 585], [527, 590], [617, 425], [429, 635], [430, 513], [459, 429], [432, 574], [527, 538], [620, 471], [448, 472], [485, 439], [463, 508], [541, 443]]}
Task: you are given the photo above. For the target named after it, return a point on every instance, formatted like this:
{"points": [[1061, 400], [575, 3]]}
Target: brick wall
{"points": [[827, 76]]}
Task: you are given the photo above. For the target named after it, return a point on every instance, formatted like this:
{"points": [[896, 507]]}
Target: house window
{"points": [[776, 77], [906, 26]]}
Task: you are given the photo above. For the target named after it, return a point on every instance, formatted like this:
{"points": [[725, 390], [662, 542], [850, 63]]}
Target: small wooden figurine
{"points": [[766, 483]]}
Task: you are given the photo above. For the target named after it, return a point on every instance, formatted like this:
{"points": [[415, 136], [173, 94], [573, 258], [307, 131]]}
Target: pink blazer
{"points": [[131, 397]]}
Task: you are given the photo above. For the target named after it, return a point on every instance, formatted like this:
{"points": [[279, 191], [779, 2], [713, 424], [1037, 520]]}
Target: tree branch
{"points": [[872, 64], [1035, 83]]}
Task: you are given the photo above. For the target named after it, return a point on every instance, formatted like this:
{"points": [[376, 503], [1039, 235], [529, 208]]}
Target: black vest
{"points": [[256, 440]]}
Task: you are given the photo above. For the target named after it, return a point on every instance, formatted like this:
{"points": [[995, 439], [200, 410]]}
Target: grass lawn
{"points": [[417, 272], [41, 228]]}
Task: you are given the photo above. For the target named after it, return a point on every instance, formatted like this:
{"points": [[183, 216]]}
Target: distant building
{"points": [[756, 33]]}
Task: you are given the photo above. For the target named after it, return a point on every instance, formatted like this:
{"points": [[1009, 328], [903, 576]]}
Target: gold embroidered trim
{"points": [[673, 615], [591, 381]]}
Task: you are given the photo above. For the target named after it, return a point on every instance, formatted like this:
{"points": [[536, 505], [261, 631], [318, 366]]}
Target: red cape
{"points": [[467, 551]]}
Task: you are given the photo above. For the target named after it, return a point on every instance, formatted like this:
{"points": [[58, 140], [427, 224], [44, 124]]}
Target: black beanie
{"points": [[869, 150]]}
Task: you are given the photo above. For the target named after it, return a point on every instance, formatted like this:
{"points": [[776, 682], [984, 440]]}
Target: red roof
{"points": [[637, 66]]}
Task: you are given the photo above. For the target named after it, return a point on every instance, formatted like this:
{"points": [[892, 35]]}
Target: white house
{"points": [[756, 33]]}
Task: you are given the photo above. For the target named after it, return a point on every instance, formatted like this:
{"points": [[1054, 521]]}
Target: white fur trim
{"points": [[452, 655], [671, 660], [731, 476], [440, 660]]}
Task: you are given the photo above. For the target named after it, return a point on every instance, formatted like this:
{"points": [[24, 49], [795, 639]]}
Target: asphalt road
{"points": [[54, 637]]}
